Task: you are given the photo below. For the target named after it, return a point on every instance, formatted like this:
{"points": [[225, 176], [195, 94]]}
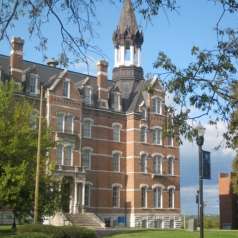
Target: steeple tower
{"points": [[127, 40]]}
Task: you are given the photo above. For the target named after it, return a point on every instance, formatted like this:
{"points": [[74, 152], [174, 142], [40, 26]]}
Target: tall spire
{"points": [[127, 19], [127, 32], [127, 41]]}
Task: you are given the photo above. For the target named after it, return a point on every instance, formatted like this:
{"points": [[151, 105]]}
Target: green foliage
{"points": [[18, 147], [58, 232], [33, 235], [211, 222]]}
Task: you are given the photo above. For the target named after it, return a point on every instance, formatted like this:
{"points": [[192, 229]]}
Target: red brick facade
{"points": [[110, 145]]}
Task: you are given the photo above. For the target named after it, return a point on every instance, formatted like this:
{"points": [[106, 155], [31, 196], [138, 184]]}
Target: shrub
{"points": [[58, 232], [33, 235]]}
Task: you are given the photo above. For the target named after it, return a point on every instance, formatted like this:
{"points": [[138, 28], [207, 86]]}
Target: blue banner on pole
{"points": [[206, 165]]}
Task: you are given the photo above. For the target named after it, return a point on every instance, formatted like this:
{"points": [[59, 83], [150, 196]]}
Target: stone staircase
{"points": [[88, 220]]}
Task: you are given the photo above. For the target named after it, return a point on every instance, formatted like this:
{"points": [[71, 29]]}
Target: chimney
{"points": [[16, 58], [103, 94], [52, 63]]}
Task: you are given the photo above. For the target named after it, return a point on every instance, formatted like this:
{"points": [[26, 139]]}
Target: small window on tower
{"points": [[127, 54]]}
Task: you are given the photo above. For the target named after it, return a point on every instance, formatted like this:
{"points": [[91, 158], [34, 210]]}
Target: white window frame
{"points": [[172, 159], [36, 78], [89, 185], [117, 107], [87, 135], [90, 150], [114, 127], [157, 102], [144, 129], [71, 130], [71, 155], [118, 198], [156, 196], [145, 157], [88, 98], [171, 188], [158, 164], [159, 136], [62, 154], [144, 186], [68, 88], [118, 153], [60, 114]]}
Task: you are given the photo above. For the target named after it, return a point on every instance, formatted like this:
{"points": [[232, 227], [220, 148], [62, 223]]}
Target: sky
{"points": [[175, 33]]}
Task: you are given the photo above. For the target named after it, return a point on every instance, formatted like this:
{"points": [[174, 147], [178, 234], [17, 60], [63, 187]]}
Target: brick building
{"points": [[228, 203], [110, 151]]}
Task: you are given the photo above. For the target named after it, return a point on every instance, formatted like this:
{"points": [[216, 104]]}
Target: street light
{"points": [[200, 140]]}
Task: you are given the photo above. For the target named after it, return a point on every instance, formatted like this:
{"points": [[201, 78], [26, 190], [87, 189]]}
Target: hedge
{"points": [[57, 232]]}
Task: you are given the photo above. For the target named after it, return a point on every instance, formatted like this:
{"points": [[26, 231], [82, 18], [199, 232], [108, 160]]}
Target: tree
{"points": [[18, 144]]}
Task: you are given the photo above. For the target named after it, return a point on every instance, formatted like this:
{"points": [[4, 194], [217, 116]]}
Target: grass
{"points": [[5, 230], [177, 234]]}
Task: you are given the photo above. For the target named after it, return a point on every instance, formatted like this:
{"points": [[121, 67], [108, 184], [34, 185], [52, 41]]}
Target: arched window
{"points": [[157, 197], [158, 165], [143, 134], [86, 158], [59, 154], [87, 128], [143, 163], [116, 196], [116, 133], [144, 196], [116, 162], [171, 166], [157, 136], [171, 192]]}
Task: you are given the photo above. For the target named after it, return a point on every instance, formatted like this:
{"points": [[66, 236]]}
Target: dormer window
{"points": [[33, 83], [156, 105], [66, 92], [117, 101], [88, 95]]}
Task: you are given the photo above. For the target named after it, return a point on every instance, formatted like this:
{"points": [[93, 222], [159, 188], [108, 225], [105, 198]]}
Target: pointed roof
{"points": [[127, 18]]}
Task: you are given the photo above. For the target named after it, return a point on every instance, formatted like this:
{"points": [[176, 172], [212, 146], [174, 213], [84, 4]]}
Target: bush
{"points": [[58, 232], [33, 235]]}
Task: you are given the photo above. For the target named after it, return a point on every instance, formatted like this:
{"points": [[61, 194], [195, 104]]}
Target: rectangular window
{"points": [[170, 140], [69, 124], [171, 198], [88, 95], [66, 89], [116, 196], [157, 165], [59, 154], [143, 134], [116, 162], [143, 197], [60, 122], [143, 164], [117, 102], [156, 106], [87, 129], [116, 133], [68, 155], [87, 195], [86, 159], [157, 136], [33, 83], [157, 197]]}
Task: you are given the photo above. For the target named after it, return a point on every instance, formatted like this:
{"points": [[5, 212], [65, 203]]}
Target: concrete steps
{"points": [[88, 220]]}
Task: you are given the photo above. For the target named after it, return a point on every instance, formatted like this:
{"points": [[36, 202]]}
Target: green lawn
{"points": [[177, 234], [5, 230]]}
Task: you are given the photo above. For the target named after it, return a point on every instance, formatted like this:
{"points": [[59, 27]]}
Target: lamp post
{"points": [[200, 141]]}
